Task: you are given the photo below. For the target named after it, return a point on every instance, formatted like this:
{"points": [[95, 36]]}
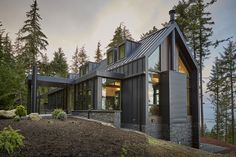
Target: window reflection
{"points": [[122, 51], [154, 83], [110, 57], [110, 94], [154, 61], [85, 96]]}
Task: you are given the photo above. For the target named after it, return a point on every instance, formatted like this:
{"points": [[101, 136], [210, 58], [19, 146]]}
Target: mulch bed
{"points": [[71, 138]]}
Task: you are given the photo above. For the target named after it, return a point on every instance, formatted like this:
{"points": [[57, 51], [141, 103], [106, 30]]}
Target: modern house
{"points": [[151, 84]]}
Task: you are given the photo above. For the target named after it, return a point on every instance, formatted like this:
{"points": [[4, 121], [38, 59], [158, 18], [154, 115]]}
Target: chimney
{"points": [[172, 15]]}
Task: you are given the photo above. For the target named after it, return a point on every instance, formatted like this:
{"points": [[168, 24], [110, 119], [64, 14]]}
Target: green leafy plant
{"points": [[62, 116], [154, 110], [20, 111], [59, 114], [10, 140], [124, 151], [17, 118]]}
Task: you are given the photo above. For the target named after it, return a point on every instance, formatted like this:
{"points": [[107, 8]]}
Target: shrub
{"points": [[10, 140], [62, 116], [17, 118], [21, 111], [59, 114]]}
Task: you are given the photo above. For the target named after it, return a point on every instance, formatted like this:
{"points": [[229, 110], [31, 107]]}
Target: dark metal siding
{"points": [[133, 68], [133, 100], [164, 104]]}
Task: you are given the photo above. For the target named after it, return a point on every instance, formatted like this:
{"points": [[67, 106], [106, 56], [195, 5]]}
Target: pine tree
{"points": [[196, 23], [12, 79], [1, 36], [59, 65], [18, 45], [126, 33], [217, 96], [98, 55], [75, 61], [121, 34], [229, 67], [34, 39], [44, 66], [144, 35], [82, 56]]}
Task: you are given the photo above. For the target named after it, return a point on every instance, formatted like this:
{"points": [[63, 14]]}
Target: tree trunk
{"points": [[232, 103], [201, 90], [226, 127], [217, 103]]}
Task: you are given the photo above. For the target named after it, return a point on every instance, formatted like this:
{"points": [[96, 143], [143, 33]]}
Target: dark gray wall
{"points": [[133, 101], [173, 101], [132, 68], [130, 47]]}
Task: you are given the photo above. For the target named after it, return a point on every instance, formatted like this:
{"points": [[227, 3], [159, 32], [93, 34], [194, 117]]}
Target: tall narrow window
{"points": [[122, 51], [110, 57], [110, 94], [183, 69], [154, 83]]}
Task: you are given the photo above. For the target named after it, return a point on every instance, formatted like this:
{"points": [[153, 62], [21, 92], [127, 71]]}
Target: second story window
{"points": [[122, 51], [109, 57]]}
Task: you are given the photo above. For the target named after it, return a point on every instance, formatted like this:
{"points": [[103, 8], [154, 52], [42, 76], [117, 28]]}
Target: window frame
{"points": [[154, 107], [123, 45], [110, 54]]}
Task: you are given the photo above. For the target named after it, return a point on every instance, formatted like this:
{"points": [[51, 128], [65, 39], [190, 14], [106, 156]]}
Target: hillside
{"points": [[78, 137]]}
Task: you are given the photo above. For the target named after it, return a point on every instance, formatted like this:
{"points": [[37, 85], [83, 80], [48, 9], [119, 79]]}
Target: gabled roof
{"points": [[149, 44], [142, 49]]}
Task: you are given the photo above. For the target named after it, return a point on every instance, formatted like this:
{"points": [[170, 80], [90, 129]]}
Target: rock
{"points": [[6, 114], [35, 117]]}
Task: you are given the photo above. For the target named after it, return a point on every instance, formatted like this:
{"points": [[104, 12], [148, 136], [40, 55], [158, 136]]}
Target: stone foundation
{"points": [[133, 126], [112, 117], [181, 133]]}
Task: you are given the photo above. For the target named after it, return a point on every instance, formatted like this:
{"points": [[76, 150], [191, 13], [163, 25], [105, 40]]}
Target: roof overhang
{"points": [[51, 81], [105, 74]]}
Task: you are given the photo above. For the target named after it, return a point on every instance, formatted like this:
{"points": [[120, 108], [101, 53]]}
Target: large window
{"points": [[110, 94], [110, 57], [183, 69], [154, 83], [85, 96], [122, 51]]}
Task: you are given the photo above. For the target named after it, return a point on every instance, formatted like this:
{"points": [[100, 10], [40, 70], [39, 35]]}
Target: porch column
{"points": [[29, 107], [34, 107]]}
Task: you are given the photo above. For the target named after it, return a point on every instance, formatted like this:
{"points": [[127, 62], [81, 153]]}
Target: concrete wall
{"points": [[112, 117], [154, 126]]}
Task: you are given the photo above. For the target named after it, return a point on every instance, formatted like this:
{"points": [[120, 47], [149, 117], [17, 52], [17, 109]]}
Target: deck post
{"points": [[34, 107]]}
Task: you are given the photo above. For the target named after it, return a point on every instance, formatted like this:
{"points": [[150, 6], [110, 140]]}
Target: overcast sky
{"points": [[68, 23]]}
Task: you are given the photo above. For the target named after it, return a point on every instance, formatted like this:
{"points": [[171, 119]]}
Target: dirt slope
{"points": [[76, 137]]}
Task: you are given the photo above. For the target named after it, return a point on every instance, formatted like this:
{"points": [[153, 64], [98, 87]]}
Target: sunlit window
{"points": [[183, 69], [110, 94], [154, 83]]}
